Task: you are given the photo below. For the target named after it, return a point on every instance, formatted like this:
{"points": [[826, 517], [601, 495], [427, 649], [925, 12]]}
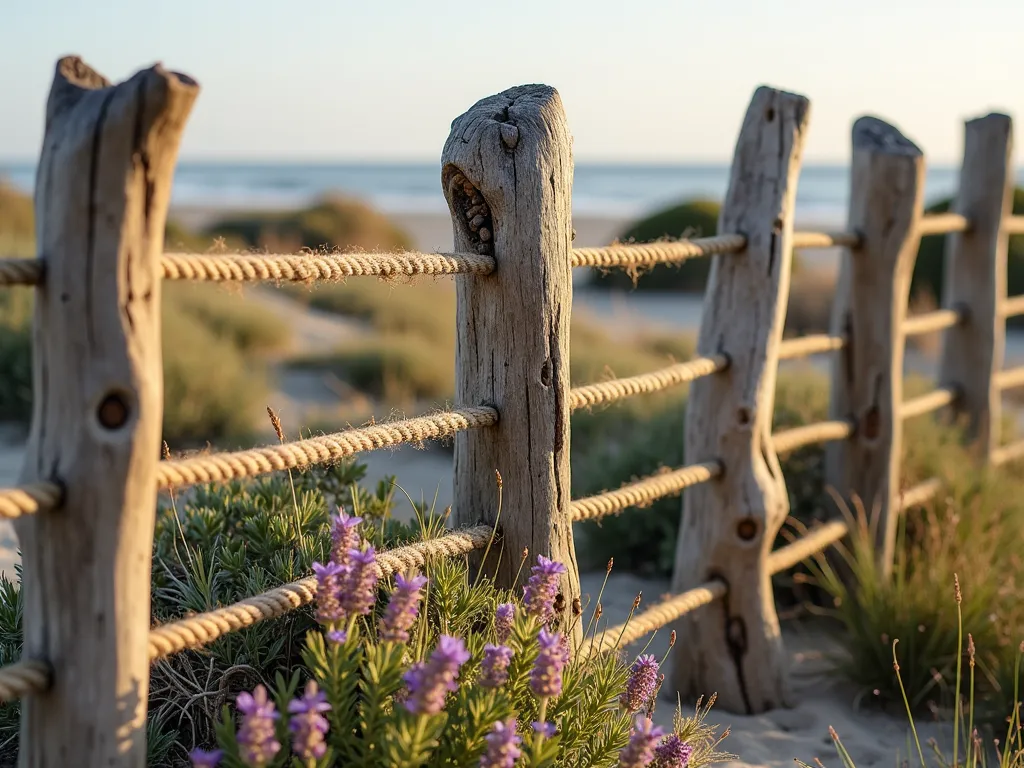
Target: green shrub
{"points": [[334, 222], [17, 223], [372, 689], [695, 218], [929, 269], [248, 326]]}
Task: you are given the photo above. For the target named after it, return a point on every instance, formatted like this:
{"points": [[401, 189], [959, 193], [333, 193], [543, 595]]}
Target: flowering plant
{"points": [[441, 671]]}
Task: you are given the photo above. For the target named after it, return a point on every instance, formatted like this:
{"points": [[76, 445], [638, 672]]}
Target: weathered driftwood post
{"points": [[101, 198], [507, 175], [972, 352], [886, 193], [729, 525]]}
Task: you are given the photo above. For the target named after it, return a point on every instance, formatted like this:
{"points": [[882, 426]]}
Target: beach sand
{"points": [[773, 739]]}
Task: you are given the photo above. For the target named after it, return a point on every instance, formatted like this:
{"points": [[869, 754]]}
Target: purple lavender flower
{"points": [[430, 682], [344, 536], [402, 609], [672, 753], [329, 581], [257, 744], [502, 746], [202, 758], [643, 679], [540, 591], [361, 585], [494, 667], [547, 730], [503, 618], [546, 676], [640, 749], [307, 723], [337, 636]]}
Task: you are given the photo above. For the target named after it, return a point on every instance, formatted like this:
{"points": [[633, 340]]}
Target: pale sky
{"points": [[643, 80]]}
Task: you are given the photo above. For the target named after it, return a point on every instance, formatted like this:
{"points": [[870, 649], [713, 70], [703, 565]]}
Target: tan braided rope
{"points": [[791, 349], [937, 398], [826, 239], [22, 678], [21, 271], [220, 467], [200, 630], [319, 267], [1014, 305], [1007, 453], [1010, 377], [649, 254], [655, 617], [644, 491], [942, 224], [29, 499], [1013, 225], [655, 381], [930, 322], [808, 545], [820, 432], [919, 494]]}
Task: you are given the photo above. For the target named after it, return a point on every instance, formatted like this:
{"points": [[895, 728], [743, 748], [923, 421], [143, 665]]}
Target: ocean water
{"points": [[602, 190]]}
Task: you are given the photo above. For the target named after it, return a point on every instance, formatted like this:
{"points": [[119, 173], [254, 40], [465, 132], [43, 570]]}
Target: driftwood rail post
{"points": [[972, 352], [729, 525], [886, 194], [101, 199], [507, 175]]}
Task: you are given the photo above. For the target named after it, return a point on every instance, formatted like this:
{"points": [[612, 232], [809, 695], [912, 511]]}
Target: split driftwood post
{"points": [[729, 525], [886, 194], [507, 175], [972, 352], [101, 197]]}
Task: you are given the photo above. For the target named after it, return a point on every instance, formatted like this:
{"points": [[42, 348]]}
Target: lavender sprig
{"points": [[330, 579], [502, 746], [431, 681], [542, 588], [344, 536], [503, 618], [643, 680], [360, 591], [202, 758], [257, 742], [546, 676], [640, 749], [494, 667], [673, 752], [402, 609], [307, 723]]}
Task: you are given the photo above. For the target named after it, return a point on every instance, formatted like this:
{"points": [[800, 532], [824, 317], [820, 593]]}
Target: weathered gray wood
{"points": [[733, 647], [972, 352], [886, 189], [507, 175], [101, 198]]}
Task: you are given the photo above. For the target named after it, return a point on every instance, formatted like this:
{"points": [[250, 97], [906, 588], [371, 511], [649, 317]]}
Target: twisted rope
{"points": [[655, 617], [930, 322], [1007, 453], [932, 401], [1013, 225], [826, 239], [1010, 377], [29, 499], [649, 254], [919, 494], [320, 267], [643, 492], [200, 630], [1012, 306], [806, 546], [673, 375], [810, 345], [821, 432], [942, 224], [21, 271], [22, 678], [220, 467]]}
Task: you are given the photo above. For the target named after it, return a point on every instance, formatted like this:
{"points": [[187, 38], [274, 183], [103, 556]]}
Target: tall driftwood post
{"points": [[507, 175], [972, 352], [886, 194], [729, 525], [101, 197]]}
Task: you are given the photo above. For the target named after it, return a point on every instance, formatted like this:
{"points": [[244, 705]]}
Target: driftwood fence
{"points": [[85, 506]]}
